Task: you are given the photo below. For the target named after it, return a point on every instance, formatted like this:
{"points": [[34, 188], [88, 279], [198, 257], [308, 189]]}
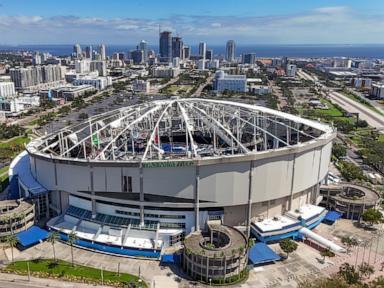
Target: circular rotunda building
{"points": [[146, 175]]}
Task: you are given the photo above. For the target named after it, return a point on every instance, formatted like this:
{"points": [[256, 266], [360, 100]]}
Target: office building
{"points": [[201, 64], [249, 58], [137, 56], [118, 56], [361, 83], [177, 47], [165, 46], [209, 55], [224, 82], [186, 52], [202, 49], [99, 83], [230, 51], [176, 62]]}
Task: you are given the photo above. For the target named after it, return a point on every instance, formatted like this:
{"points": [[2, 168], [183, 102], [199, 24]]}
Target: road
{"points": [[201, 87]]}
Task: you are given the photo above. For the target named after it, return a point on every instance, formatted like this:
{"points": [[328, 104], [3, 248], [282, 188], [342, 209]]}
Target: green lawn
{"points": [[332, 111], [46, 268], [19, 140]]}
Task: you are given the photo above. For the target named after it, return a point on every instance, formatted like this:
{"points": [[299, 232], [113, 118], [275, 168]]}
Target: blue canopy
{"points": [[261, 253], [332, 216], [32, 236], [170, 259]]}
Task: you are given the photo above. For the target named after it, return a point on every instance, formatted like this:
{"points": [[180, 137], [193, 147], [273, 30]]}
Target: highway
{"points": [[373, 118]]}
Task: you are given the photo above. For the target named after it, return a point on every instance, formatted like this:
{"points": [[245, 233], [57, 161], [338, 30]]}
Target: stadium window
{"points": [[127, 184]]}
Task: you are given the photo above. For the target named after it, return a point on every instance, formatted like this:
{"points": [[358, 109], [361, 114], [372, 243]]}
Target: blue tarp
{"points": [[32, 236], [332, 216], [261, 253], [170, 259]]}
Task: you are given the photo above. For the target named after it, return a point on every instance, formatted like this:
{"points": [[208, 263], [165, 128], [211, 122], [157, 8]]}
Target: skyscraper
{"points": [[177, 47], [88, 52], [77, 50], [143, 46], [102, 52], [165, 46], [202, 49], [230, 51]]}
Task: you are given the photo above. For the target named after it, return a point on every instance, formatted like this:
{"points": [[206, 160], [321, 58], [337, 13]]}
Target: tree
{"points": [[372, 216], [334, 282], [12, 242], [327, 253], [350, 171], [72, 237], [339, 150], [349, 242], [349, 274], [366, 270], [288, 246], [52, 238]]}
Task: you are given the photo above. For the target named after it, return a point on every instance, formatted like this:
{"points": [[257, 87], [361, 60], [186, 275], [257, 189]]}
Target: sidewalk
{"points": [[39, 282]]}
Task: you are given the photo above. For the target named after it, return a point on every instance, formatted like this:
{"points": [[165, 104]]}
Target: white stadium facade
{"points": [[144, 176]]}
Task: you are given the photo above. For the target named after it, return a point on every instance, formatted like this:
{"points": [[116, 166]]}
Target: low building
{"points": [[67, 92], [224, 82], [141, 86], [19, 104], [377, 91], [165, 72], [100, 83], [260, 89]]}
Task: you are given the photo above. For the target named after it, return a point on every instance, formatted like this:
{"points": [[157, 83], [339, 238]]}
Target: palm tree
{"points": [[52, 238], [72, 237], [12, 242]]}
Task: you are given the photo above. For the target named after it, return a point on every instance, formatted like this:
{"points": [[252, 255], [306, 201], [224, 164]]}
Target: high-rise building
{"points": [[230, 51], [137, 56], [35, 75], [99, 66], [186, 52], [143, 46], [118, 56], [83, 66], [88, 52], [209, 54], [202, 49], [102, 52], [249, 58], [77, 51], [290, 70], [165, 46], [177, 47]]}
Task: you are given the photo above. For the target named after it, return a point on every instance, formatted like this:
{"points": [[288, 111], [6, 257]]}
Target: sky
{"points": [[212, 21]]}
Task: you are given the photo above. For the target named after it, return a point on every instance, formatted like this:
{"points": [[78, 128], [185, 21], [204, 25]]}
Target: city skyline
{"points": [[298, 22]]}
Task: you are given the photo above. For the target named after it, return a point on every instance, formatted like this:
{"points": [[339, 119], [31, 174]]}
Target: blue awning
{"points": [[170, 259], [332, 216], [32, 236], [261, 253]]}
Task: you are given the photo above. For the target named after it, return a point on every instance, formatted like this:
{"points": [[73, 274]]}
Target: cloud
{"points": [[334, 24]]}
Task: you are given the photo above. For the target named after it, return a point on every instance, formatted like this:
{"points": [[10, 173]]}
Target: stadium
{"points": [[140, 178]]}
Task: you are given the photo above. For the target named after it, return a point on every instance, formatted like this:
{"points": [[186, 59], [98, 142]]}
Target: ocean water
{"points": [[361, 51]]}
